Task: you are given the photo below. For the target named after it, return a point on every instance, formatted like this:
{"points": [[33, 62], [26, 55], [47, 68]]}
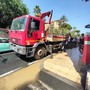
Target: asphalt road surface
{"points": [[12, 62]]}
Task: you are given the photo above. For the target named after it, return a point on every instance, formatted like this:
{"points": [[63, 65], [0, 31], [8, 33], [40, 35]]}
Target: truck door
{"points": [[34, 32]]}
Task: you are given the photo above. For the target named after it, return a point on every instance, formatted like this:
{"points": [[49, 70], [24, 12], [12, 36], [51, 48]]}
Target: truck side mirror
{"points": [[32, 25]]}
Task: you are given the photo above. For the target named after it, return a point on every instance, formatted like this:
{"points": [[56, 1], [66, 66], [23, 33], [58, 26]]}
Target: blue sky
{"points": [[76, 11]]}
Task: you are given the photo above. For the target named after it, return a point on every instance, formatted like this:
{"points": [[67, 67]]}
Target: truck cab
{"points": [[25, 32]]}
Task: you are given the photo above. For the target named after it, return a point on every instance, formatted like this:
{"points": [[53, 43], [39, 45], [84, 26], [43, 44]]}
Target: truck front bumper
{"points": [[17, 48]]}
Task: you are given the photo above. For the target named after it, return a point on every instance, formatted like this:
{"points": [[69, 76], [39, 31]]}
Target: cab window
{"points": [[37, 24], [36, 27]]}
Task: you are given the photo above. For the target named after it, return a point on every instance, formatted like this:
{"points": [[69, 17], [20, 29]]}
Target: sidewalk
{"points": [[64, 69], [62, 65]]}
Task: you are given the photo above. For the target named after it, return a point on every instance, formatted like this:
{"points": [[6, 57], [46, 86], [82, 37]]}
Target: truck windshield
{"points": [[19, 24]]}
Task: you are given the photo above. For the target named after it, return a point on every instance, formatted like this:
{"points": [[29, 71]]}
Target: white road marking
{"points": [[7, 73], [32, 62]]}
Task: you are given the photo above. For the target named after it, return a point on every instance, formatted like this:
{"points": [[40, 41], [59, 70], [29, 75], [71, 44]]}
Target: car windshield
{"points": [[19, 24], [4, 41]]}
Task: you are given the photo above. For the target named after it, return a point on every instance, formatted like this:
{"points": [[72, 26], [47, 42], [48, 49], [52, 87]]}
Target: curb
{"points": [[57, 82]]}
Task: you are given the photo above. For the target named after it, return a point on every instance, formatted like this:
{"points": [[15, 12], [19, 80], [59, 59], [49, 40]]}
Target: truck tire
{"points": [[39, 53], [88, 81]]}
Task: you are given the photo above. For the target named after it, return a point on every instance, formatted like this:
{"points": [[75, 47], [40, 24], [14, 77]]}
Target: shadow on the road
{"points": [[32, 59], [2, 59], [24, 58], [6, 52]]}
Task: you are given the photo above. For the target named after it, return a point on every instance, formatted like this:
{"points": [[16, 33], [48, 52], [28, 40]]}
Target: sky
{"points": [[76, 11]]}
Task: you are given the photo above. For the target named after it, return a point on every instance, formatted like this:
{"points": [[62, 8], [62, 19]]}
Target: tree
{"points": [[75, 32], [74, 28], [63, 19], [37, 10], [67, 26], [56, 32], [10, 9], [4, 33], [63, 26]]}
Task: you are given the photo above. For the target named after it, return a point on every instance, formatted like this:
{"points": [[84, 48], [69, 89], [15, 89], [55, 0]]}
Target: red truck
{"points": [[28, 36]]}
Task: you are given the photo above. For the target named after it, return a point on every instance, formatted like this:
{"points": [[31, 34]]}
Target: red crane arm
{"points": [[49, 14]]}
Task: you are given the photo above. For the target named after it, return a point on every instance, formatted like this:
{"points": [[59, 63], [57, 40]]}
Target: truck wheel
{"points": [[39, 53], [88, 81]]}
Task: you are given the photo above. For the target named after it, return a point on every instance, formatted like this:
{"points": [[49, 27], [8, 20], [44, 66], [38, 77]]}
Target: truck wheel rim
{"points": [[40, 52]]}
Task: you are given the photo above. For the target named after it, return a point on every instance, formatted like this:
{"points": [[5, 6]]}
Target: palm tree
{"points": [[75, 32], [37, 10], [74, 28], [63, 19], [62, 24]]}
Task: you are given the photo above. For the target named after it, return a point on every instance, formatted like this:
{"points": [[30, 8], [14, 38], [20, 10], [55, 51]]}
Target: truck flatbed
{"points": [[55, 38]]}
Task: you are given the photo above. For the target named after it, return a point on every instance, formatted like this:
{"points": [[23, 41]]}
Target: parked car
{"points": [[4, 45]]}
